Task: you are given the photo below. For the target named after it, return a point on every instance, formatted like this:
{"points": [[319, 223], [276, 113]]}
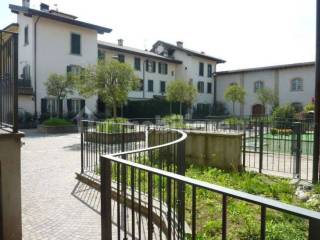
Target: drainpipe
{"points": [[35, 68]]}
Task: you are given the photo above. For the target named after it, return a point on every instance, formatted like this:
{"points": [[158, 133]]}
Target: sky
{"points": [[245, 33]]}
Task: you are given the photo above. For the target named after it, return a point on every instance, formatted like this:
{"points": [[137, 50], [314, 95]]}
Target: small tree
{"points": [[182, 92], [234, 94], [266, 97], [59, 86], [111, 81]]}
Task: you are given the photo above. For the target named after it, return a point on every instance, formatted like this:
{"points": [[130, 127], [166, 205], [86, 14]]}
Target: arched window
{"points": [[296, 85], [257, 85]]}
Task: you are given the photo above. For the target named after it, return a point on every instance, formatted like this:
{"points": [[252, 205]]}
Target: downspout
{"points": [[35, 68]]}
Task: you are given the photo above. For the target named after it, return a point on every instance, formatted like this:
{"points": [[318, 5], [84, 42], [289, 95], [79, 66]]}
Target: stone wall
{"points": [[221, 150], [10, 167]]}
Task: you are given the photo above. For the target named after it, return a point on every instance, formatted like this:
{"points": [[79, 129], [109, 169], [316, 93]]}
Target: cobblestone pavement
{"points": [[50, 208]]}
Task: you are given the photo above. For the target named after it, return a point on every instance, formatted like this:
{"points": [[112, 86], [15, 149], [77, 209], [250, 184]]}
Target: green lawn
{"points": [[244, 218]]}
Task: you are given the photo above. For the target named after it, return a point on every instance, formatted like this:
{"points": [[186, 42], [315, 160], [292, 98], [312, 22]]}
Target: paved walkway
{"points": [[54, 204]]}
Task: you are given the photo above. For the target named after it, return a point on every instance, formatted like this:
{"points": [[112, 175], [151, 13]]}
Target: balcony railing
{"points": [[25, 87]]}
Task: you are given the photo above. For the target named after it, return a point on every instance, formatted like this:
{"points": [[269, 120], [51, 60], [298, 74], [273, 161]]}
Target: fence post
{"points": [[255, 134], [261, 132], [106, 210], [82, 153], [181, 189], [15, 83], [296, 149], [314, 226]]}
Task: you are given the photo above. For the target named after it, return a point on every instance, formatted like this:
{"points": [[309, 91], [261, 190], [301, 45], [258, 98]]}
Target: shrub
{"points": [[174, 121], [57, 122], [283, 113], [281, 131], [233, 121], [309, 107], [113, 125]]}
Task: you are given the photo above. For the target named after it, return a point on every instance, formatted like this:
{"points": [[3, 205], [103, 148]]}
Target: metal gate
{"points": [[8, 80]]}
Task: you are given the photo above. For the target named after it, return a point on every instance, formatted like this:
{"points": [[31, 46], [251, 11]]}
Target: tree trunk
{"points": [[233, 108], [180, 108], [114, 110]]}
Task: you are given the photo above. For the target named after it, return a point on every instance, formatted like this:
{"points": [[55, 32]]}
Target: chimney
{"points": [[44, 7], [180, 44], [26, 3], [120, 42]]}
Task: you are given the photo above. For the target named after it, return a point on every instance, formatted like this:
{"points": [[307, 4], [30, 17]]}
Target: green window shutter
{"points": [[44, 105], [82, 103], [60, 107], [153, 66], [75, 43], [165, 68], [147, 66], [159, 67], [69, 105]]}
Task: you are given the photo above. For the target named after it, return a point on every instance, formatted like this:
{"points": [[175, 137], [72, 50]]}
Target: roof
{"points": [[136, 51], [195, 53], [274, 67], [33, 12], [12, 27]]}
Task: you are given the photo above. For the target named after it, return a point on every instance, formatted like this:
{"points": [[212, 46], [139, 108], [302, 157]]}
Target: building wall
{"points": [[53, 55], [189, 71], [156, 77], [278, 79]]}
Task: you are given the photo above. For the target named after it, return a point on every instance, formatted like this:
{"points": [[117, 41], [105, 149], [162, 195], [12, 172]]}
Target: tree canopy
{"points": [[266, 96], [182, 92], [111, 81], [59, 86], [234, 94]]}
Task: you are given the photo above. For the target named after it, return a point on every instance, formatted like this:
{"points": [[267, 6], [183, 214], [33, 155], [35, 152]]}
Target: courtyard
{"points": [[54, 204]]}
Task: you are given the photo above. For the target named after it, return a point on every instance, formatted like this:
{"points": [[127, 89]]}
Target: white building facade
{"points": [[54, 42], [292, 84]]}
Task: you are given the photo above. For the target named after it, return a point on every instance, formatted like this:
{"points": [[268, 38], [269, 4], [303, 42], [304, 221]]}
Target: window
{"points": [[201, 68], [163, 68], [74, 69], [141, 85], [172, 73], [209, 87], [209, 70], [258, 85], [297, 85], [137, 63], [298, 107], [201, 87], [121, 58], [233, 84], [150, 85], [162, 86], [75, 105], [26, 35], [75, 44], [26, 73], [101, 55], [151, 66], [52, 105]]}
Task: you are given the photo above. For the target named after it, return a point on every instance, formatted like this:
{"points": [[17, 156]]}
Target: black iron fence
{"points": [[111, 137], [145, 202], [282, 147], [8, 80]]}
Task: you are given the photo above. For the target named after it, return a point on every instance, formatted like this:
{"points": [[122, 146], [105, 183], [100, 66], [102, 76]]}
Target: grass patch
{"points": [[243, 217], [56, 122]]}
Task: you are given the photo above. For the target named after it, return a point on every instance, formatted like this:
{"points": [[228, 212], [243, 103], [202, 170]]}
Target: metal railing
{"points": [[109, 137], [8, 81], [156, 200]]}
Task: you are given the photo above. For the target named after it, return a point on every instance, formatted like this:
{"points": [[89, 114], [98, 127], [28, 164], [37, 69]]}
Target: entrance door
{"points": [[257, 110]]}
